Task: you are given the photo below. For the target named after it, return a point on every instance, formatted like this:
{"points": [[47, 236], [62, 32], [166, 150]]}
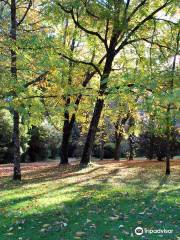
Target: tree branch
{"points": [[148, 41], [6, 2], [82, 62], [40, 96], [126, 10], [106, 34], [77, 23], [136, 9], [89, 12], [165, 20], [36, 80], [25, 14], [150, 16]]}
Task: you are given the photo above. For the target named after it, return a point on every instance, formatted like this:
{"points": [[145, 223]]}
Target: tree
{"points": [[171, 105], [161, 105], [122, 27], [16, 86]]}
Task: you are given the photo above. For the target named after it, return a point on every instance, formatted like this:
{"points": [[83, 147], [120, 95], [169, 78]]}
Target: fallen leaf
{"points": [[121, 226], [125, 232], [114, 217], [80, 234], [106, 235], [46, 225]]}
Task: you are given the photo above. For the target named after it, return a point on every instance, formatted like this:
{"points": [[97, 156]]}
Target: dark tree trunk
{"points": [[16, 147], [64, 148], [111, 52], [66, 137], [168, 158], [99, 105], [68, 124], [67, 129], [131, 148], [169, 131], [92, 131], [117, 146], [173, 140], [16, 134], [168, 147]]}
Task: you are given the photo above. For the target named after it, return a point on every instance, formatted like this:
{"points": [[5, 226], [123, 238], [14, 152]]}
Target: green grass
{"points": [[104, 201]]}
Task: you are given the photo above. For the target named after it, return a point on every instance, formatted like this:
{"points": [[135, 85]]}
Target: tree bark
{"points": [[67, 132], [92, 131], [99, 104], [168, 147], [168, 159], [66, 135], [16, 134], [69, 123], [117, 146], [66, 127], [16, 147], [64, 144], [169, 131]]}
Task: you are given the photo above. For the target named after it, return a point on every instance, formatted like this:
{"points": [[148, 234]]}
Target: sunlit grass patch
{"points": [[103, 201]]}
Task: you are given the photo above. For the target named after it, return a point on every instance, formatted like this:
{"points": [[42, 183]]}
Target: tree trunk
{"points": [[92, 131], [65, 140], [99, 104], [16, 147], [168, 156], [64, 148], [168, 147], [117, 146], [16, 134], [67, 129], [111, 52], [173, 139], [169, 131], [68, 125]]}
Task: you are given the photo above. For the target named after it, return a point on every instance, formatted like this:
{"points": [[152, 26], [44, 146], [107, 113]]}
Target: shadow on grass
{"points": [[95, 201], [91, 211], [44, 175], [62, 186]]}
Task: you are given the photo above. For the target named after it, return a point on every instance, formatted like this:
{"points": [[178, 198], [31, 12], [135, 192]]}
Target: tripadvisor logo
{"points": [[139, 231]]}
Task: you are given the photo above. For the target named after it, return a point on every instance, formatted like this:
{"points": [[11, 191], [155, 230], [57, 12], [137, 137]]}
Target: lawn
{"points": [[107, 200]]}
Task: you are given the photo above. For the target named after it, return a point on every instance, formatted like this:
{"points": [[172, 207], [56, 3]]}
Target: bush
{"points": [[38, 146], [109, 150], [44, 143]]}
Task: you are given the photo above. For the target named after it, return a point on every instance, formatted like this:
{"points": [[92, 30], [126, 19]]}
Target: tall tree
{"points": [[171, 105], [122, 26], [17, 85], [16, 132]]}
